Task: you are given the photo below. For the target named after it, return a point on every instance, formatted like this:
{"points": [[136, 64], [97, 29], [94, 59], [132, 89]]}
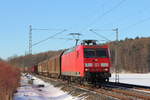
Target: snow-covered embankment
{"points": [[40, 90], [137, 79]]}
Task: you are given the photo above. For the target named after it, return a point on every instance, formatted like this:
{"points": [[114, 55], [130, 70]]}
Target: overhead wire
{"points": [[46, 29], [137, 23], [105, 13], [64, 38], [49, 37], [100, 35]]}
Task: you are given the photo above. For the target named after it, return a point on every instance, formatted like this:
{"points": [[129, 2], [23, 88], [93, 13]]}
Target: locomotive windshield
{"points": [[95, 53]]}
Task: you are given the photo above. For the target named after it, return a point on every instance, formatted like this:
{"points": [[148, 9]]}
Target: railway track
{"points": [[136, 91], [116, 91], [122, 85], [122, 93]]}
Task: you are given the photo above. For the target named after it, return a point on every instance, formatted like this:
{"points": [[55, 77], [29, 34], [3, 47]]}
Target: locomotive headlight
{"points": [[88, 64], [104, 64], [87, 69], [105, 69]]}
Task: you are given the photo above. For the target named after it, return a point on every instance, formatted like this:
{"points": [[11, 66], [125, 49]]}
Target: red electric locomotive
{"points": [[86, 62]]}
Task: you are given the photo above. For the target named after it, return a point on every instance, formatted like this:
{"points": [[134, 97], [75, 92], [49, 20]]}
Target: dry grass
{"points": [[9, 80]]}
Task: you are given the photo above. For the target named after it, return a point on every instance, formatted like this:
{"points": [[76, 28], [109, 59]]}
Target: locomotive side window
{"points": [[94, 53], [102, 53]]}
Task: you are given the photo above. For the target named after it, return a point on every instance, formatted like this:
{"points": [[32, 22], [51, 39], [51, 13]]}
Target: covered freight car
{"points": [[54, 66], [51, 67], [35, 69], [43, 68], [40, 68]]}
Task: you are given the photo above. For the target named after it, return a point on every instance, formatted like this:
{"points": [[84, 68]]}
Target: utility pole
{"points": [[30, 39], [116, 58], [40, 29]]}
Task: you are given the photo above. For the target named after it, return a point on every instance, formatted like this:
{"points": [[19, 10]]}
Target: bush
{"points": [[9, 80]]}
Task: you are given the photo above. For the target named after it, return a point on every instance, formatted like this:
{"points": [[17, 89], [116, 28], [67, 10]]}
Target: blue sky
{"points": [[132, 17]]}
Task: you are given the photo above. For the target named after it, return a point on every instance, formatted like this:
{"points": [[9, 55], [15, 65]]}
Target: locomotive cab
{"points": [[96, 61]]}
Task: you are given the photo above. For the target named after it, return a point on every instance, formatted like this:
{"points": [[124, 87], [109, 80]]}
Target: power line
{"points": [[30, 36], [64, 38], [137, 23], [105, 13], [101, 29], [99, 35], [46, 29], [49, 37], [110, 10]]}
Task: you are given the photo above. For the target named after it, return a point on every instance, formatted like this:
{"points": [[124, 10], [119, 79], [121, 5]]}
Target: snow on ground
{"points": [[137, 79], [41, 90], [38, 92]]}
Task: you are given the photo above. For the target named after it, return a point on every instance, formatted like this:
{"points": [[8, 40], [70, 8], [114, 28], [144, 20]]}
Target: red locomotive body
{"points": [[90, 62], [72, 62]]}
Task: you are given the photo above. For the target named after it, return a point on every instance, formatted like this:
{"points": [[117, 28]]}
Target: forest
{"points": [[133, 55]]}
